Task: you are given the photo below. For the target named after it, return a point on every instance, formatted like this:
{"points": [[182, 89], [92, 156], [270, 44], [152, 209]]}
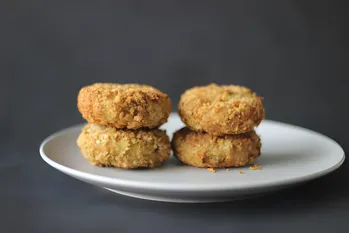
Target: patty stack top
{"points": [[220, 110], [124, 106]]}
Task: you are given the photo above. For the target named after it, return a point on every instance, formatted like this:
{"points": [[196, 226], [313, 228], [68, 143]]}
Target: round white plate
{"points": [[290, 155]]}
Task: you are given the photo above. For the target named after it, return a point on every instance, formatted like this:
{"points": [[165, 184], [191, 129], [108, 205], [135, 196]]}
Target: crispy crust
{"points": [[208, 151], [221, 110], [108, 146], [122, 106]]}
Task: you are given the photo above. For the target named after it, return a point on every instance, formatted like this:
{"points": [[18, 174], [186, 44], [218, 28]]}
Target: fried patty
{"points": [[220, 110], [108, 146], [208, 151], [124, 106]]}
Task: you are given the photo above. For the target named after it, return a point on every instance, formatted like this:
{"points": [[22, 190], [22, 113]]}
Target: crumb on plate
{"points": [[211, 170], [240, 172], [255, 167]]}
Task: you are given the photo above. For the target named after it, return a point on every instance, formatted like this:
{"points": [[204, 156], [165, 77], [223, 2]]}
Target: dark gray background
{"points": [[294, 53]]}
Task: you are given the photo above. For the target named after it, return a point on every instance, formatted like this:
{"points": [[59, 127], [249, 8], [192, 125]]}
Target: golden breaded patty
{"points": [[221, 110], [130, 106], [208, 151], [108, 146]]}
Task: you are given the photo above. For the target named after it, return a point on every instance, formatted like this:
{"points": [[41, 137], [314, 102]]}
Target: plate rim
{"points": [[143, 185]]}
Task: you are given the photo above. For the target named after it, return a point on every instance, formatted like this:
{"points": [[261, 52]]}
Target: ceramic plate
{"points": [[290, 155]]}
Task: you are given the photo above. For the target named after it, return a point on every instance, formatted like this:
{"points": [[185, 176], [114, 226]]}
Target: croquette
{"points": [[208, 151], [108, 146], [220, 110], [124, 106]]}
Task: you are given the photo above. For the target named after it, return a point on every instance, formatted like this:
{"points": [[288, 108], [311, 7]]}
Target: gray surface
{"points": [[294, 54]]}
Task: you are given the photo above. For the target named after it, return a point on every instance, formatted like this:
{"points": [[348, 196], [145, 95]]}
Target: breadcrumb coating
{"points": [[124, 106], [220, 110], [208, 151], [108, 146]]}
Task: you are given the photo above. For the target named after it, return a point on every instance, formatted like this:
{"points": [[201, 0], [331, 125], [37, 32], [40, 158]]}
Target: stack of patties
{"points": [[220, 124], [123, 121]]}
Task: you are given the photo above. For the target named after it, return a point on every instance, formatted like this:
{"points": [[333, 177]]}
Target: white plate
{"points": [[290, 155]]}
